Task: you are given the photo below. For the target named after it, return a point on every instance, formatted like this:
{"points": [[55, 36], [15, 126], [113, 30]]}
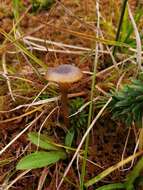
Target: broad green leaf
{"points": [[40, 159], [42, 141]]}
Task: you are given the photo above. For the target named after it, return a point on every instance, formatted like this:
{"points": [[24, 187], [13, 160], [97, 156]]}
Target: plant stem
{"points": [[83, 172], [120, 24], [64, 104]]}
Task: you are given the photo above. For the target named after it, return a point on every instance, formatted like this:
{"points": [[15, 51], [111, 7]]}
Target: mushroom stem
{"points": [[64, 104], [64, 75]]}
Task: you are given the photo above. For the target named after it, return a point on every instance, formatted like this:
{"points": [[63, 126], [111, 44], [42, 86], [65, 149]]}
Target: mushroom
{"points": [[64, 75]]}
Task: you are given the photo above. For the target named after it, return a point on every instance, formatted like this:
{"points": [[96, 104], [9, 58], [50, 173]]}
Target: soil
{"points": [[69, 22]]}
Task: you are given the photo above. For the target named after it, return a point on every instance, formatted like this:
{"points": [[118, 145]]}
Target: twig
{"points": [[6, 76], [138, 40], [16, 179], [21, 133]]}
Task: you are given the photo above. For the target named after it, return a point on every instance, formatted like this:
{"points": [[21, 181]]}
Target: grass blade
{"points": [[22, 48], [111, 169], [112, 186]]}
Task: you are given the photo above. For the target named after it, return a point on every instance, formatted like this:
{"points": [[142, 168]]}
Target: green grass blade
{"points": [[120, 23], [130, 29], [110, 170], [125, 26], [22, 48], [16, 4], [134, 174], [112, 186]]}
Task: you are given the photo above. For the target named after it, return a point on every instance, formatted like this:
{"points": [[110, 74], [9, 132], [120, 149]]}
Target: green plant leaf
{"points": [[69, 137], [42, 4], [40, 159], [42, 141], [139, 182], [79, 120], [134, 174], [127, 104], [112, 186]]}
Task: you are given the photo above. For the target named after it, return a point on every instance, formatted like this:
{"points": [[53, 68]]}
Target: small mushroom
{"points": [[64, 75]]}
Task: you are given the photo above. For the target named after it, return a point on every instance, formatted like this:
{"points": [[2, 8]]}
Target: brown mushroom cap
{"points": [[64, 74]]}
